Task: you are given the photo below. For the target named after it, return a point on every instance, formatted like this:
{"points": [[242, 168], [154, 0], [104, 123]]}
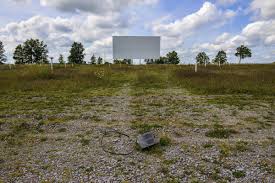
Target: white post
{"points": [[196, 67], [65, 64], [52, 64], [219, 64]]}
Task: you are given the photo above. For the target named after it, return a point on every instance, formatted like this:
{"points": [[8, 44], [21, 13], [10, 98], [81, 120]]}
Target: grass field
{"points": [[214, 125]]}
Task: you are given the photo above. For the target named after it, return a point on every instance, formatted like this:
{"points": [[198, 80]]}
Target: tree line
{"points": [[34, 51], [221, 57]]}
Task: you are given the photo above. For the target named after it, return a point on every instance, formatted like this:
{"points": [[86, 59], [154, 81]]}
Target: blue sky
{"points": [[185, 26]]}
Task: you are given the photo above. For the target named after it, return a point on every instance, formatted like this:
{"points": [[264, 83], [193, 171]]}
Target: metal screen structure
{"points": [[136, 47]]}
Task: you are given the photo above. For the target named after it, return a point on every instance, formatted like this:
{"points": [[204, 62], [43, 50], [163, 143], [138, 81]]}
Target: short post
{"points": [[196, 67], [52, 64]]}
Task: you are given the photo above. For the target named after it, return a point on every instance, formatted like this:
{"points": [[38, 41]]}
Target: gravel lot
{"points": [[40, 150]]}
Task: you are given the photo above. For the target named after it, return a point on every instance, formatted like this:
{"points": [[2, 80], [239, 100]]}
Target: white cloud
{"points": [[173, 34], [259, 35], [226, 2], [21, 1], [263, 8], [59, 33], [94, 6]]}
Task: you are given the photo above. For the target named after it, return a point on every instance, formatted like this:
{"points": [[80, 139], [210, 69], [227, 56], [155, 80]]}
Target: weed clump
{"points": [[85, 142], [207, 145], [241, 146], [220, 132], [165, 141], [239, 174]]}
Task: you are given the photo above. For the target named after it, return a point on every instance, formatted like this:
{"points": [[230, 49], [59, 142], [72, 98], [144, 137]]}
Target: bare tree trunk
{"points": [[240, 60]]}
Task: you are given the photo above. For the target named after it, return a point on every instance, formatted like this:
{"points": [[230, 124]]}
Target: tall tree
{"points": [[18, 55], [243, 52], [3, 57], [220, 58], [172, 58], [99, 60], [202, 58], [35, 51], [76, 53], [93, 59], [61, 59]]}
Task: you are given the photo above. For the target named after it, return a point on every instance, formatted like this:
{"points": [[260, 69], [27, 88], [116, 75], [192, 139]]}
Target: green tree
{"points": [[35, 51], [76, 53], [202, 58], [150, 61], [18, 55], [172, 58], [99, 60], [61, 59], [243, 52], [220, 58], [124, 61], [3, 57], [93, 59], [161, 60]]}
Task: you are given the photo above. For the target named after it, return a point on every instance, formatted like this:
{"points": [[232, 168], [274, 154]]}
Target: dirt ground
{"points": [[204, 139]]}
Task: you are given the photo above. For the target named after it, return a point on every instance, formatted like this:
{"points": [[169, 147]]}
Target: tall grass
{"points": [[234, 79], [230, 79]]}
